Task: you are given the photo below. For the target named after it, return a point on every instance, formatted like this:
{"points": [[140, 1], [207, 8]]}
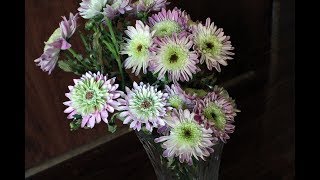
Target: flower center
{"points": [[209, 45], [89, 95], [145, 104], [139, 48], [175, 101], [173, 58], [188, 133], [166, 28], [214, 114]]}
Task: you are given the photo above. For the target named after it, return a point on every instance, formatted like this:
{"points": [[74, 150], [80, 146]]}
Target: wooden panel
{"points": [[47, 131]]}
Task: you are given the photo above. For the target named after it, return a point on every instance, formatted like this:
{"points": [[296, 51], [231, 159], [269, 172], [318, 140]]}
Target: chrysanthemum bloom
{"points": [[56, 42], [116, 7], [187, 138], [167, 22], [92, 97], [217, 111], [178, 98], [144, 104], [68, 26], [150, 5], [174, 57], [90, 8], [213, 46], [137, 47]]}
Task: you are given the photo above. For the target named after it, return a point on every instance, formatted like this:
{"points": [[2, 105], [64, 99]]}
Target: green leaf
{"points": [[112, 127], [76, 123], [64, 65]]}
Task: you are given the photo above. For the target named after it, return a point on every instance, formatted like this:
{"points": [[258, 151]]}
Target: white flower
{"points": [[90, 8], [213, 46], [187, 138], [144, 104], [137, 47]]}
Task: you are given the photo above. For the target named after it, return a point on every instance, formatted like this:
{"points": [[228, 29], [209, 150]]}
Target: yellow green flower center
{"points": [[139, 47], [166, 28], [214, 114], [188, 133], [88, 96], [176, 102], [208, 43], [174, 57]]}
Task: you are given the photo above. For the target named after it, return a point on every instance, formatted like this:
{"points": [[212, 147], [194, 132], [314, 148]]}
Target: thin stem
{"points": [[75, 55], [113, 37], [121, 72], [84, 41]]}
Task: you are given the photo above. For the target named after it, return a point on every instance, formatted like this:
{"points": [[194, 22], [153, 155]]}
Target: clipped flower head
{"points": [[137, 47], [168, 22], [92, 97], [116, 7], [90, 8], [187, 138], [57, 42], [68, 26], [150, 5], [217, 111], [178, 98], [143, 105], [173, 56], [213, 46]]}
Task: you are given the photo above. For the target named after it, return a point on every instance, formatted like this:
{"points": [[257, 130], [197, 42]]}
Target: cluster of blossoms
{"points": [[156, 43]]}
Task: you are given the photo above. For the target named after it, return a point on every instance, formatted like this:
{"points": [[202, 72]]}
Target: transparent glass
{"points": [[173, 170]]}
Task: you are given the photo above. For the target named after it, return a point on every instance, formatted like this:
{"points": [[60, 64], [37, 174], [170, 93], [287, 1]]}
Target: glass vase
{"points": [[166, 169]]}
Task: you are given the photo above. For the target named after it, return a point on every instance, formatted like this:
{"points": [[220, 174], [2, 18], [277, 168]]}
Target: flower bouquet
{"points": [[154, 69]]}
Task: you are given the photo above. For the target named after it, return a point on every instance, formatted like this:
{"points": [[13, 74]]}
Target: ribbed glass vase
{"points": [[174, 170]]}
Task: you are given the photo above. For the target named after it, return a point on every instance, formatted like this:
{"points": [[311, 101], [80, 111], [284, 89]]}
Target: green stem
{"points": [[113, 37], [84, 42], [121, 72], [75, 55]]}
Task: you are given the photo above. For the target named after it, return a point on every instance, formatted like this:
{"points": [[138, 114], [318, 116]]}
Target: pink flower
{"points": [[56, 42], [93, 97], [217, 111]]}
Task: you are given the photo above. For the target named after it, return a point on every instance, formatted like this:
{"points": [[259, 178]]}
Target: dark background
{"points": [[260, 78]]}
